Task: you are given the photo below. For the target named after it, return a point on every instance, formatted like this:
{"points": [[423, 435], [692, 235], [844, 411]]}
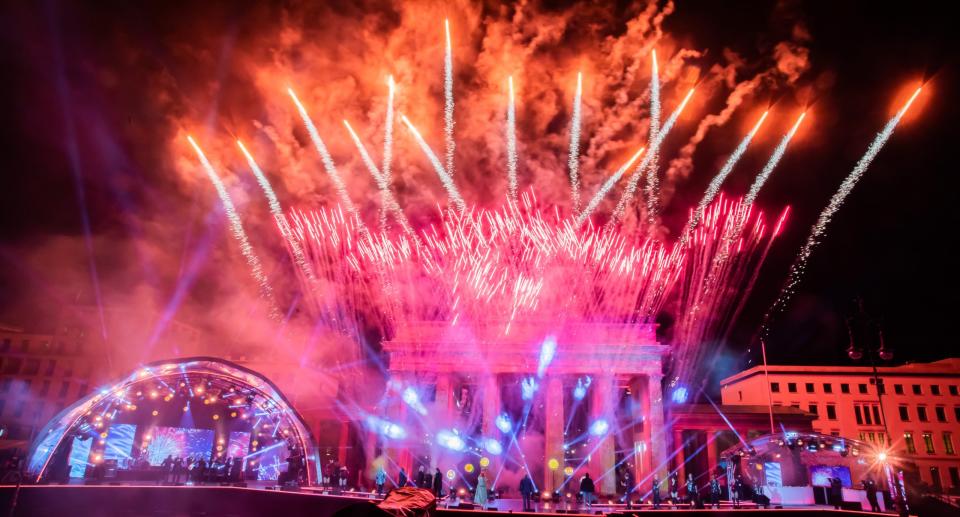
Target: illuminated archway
{"points": [[164, 399]]}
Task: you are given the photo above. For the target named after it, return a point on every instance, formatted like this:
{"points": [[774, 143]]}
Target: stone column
{"points": [[711, 452], [553, 434], [641, 429], [679, 459], [656, 432], [603, 457]]}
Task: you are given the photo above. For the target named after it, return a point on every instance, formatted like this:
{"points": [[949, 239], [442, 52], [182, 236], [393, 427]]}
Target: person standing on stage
{"points": [[526, 491], [420, 477], [587, 489], [674, 490], [871, 488], [715, 492], [480, 496], [691, 491], [737, 492], [380, 479], [437, 484], [626, 481], [655, 493], [402, 478]]}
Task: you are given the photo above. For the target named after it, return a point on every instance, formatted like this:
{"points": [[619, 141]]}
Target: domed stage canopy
{"points": [[787, 464], [190, 408]]}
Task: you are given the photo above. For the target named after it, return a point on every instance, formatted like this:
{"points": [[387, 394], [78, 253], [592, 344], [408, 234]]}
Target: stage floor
{"points": [[258, 501]]}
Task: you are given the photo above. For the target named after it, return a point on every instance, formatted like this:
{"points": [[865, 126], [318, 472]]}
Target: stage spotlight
{"points": [[547, 351], [503, 423], [450, 441], [493, 446], [528, 388], [580, 390], [599, 428], [680, 395]]}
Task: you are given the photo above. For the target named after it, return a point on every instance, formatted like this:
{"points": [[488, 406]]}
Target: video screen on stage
{"points": [[238, 445], [79, 457], [119, 442], [820, 475], [179, 442], [271, 461]]}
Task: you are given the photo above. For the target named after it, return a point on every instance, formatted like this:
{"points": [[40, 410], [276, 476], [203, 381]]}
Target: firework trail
{"points": [[278, 214], [607, 185], [653, 197], [573, 161], [444, 177], [390, 202], [717, 180], [511, 145], [236, 226], [328, 164], [631, 189], [448, 102], [816, 232], [772, 162], [387, 152]]}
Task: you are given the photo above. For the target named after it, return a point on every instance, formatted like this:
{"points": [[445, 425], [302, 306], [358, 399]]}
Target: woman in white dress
{"points": [[480, 497]]}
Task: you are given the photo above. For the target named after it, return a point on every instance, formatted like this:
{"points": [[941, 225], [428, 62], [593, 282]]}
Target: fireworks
{"points": [[773, 161], [449, 141], [386, 171], [441, 171], [820, 227], [651, 191], [236, 226], [573, 159], [511, 145]]}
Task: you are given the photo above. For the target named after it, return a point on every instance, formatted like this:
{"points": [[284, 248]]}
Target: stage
{"points": [[228, 501]]}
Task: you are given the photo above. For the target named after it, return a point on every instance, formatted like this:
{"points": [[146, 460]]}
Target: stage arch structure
{"points": [[188, 403]]}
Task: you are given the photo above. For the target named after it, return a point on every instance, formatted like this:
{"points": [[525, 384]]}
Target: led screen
{"points": [[820, 475], [119, 442], [179, 442], [79, 455], [238, 445]]}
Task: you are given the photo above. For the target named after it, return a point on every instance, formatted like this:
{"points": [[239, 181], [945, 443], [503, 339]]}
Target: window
{"points": [[876, 415], [45, 388], [795, 405], [26, 386], [948, 442], [775, 387], [898, 389], [84, 389], [928, 442], [844, 388], [956, 413], [51, 366], [812, 408], [862, 388], [2, 403], [740, 395], [866, 415], [64, 388], [831, 412], [953, 390], [810, 387], [25, 346], [922, 413], [5, 347], [941, 413], [827, 387], [904, 414], [12, 365], [856, 411], [935, 389], [792, 387], [32, 367], [908, 441], [18, 410], [917, 390]]}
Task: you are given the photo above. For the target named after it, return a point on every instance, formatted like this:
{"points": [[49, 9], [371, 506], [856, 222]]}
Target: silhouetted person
{"points": [[587, 489], [402, 478], [836, 493], [871, 487], [626, 481], [691, 491], [737, 491], [715, 492], [526, 491], [177, 470], [437, 484], [421, 475], [655, 493], [166, 469], [674, 490]]}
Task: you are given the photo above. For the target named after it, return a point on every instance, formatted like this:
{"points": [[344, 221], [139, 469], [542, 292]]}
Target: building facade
{"points": [[917, 404]]}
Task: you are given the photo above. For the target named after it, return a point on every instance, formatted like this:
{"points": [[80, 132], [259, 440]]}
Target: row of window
{"points": [[6, 345], [927, 437], [862, 388], [17, 410], [922, 415], [23, 386], [36, 366]]}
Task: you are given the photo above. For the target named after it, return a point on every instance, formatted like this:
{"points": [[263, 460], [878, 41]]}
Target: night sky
{"points": [[95, 98]]}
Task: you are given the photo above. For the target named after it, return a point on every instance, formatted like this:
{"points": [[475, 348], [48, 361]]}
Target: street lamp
{"points": [[856, 353]]}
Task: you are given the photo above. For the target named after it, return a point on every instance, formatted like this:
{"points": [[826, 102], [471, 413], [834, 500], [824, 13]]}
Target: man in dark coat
{"points": [[421, 478], [437, 484], [836, 493], [526, 491], [871, 488], [402, 478], [587, 489], [655, 493], [715, 492]]}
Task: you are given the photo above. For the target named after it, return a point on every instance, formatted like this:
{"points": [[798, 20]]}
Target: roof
{"points": [[949, 367]]}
